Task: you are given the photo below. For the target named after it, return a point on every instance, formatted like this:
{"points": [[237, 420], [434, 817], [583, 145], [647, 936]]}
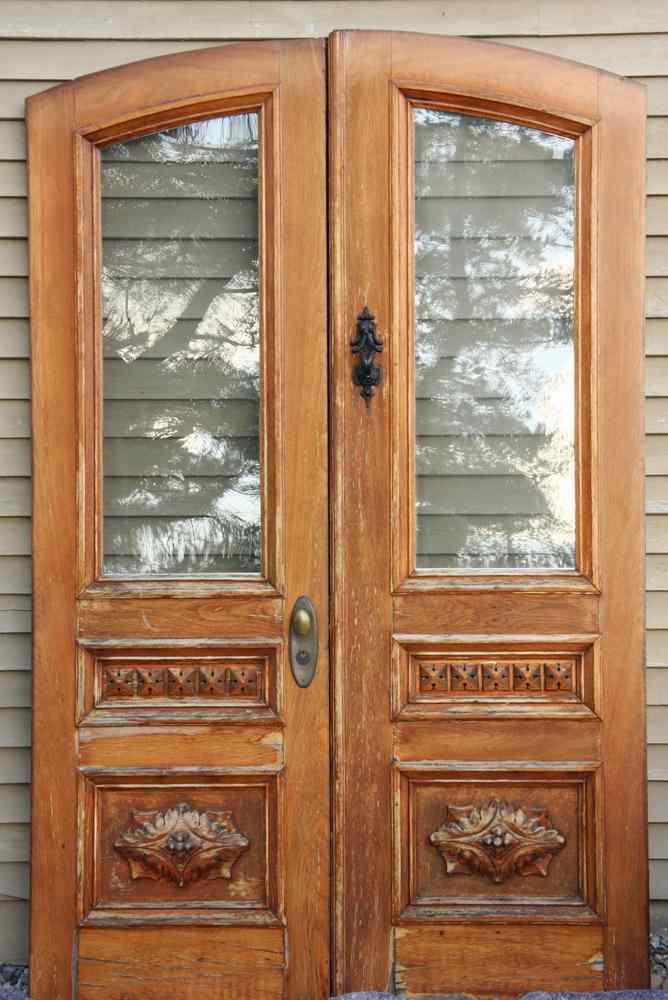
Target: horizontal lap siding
{"points": [[42, 43]]}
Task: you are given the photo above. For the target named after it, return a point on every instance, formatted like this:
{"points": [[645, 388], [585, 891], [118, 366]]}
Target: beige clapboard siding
{"points": [[14, 924], [283, 18], [628, 38]]}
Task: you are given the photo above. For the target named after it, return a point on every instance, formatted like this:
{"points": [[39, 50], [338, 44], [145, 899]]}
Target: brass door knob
{"points": [[301, 623]]}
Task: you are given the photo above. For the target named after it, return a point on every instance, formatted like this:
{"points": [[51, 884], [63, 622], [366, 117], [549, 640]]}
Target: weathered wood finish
{"points": [[168, 732], [452, 933]]}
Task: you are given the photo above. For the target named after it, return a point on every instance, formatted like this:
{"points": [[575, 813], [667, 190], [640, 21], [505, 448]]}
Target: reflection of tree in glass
{"points": [[494, 247], [182, 350]]}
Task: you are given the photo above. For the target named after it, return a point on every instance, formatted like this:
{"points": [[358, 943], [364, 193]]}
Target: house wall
{"points": [[47, 41]]}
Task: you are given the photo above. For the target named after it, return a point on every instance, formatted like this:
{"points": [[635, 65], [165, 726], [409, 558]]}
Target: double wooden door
{"points": [[434, 759]]}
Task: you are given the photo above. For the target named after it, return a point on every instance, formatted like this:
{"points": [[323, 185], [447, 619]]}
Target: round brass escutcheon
{"points": [[301, 623]]}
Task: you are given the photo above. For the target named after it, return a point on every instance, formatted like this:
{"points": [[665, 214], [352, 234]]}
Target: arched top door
{"points": [[486, 206], [178, 280]]}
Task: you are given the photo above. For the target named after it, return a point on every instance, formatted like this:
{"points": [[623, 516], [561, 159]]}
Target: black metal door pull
{"points": [[365, 344]]}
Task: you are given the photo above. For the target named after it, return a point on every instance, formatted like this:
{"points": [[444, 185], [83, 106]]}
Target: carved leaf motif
{"points": [[497, 840], [181, 845]]}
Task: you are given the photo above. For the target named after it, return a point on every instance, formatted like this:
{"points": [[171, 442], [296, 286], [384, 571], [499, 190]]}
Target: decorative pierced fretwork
{"points": [[496, 677], [183, 681], [181, 845], [497, 840]]}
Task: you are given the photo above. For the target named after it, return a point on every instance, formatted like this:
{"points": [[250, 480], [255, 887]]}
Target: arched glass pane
{"points": [[181, 339], [494, 344]]}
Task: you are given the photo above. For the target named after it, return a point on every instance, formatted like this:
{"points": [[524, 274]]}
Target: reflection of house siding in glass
{"points": [[181, 350], [494, 263]]}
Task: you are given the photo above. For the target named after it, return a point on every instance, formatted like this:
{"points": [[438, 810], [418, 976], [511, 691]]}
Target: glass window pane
{"points": [[181, 343], [494, 344]]}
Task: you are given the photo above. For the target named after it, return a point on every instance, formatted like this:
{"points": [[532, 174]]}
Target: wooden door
{"points": [[486, 207], [181, 776]]}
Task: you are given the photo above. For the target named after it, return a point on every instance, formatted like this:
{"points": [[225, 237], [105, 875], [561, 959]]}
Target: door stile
{"points": [[360, 453], [620, 445], [54, 826]]}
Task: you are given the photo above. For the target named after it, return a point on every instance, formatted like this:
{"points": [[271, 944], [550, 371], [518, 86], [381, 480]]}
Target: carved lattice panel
{"points": [[179, 681], [433, 678]]}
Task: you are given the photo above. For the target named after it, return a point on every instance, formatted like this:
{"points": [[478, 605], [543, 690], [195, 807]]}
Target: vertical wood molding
{"points": [[621, 180], [52, 266]]}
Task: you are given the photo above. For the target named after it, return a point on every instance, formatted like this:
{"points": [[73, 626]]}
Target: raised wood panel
{"points": [[440, 879], [199, 746], [459, 740], [232, 872], [496, 613], [458, 959], [224, 962]]}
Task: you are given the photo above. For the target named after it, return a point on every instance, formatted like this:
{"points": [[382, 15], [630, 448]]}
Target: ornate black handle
{"points": [[365, 344]]}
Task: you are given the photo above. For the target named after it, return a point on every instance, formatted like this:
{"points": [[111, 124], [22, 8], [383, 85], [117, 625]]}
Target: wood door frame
{"points": [[550, 86], [371, 74]]}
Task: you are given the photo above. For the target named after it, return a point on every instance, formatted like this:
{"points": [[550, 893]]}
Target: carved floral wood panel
{"points": [[521, 837], [159, 846], [497, 840], [181, 844]]}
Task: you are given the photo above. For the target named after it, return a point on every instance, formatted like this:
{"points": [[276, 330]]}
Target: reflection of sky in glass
{"points": [[494, 264], [182, 351]]}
